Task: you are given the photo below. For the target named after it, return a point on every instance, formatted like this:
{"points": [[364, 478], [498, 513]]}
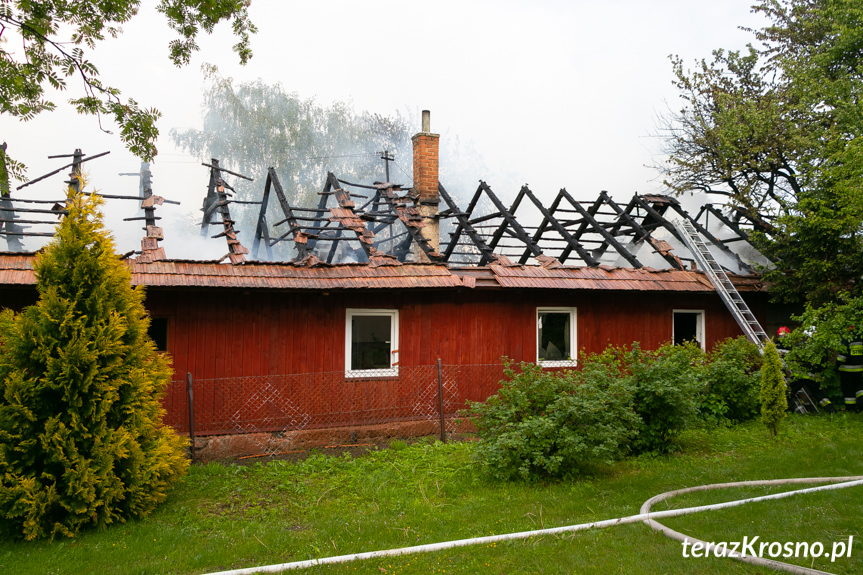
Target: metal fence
{"points": [[276, 408]]}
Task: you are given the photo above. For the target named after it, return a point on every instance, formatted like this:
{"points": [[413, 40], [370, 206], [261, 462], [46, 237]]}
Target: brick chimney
{"points": [[426, 182]]}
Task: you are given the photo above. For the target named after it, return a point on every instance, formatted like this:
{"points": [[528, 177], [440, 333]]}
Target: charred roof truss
{"points": [[382, 224]]}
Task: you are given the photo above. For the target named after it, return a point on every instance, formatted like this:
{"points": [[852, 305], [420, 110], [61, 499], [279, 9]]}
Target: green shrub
{"points": [[774, 403], [733, 382], [622, 400], [81, 436], [667, 386], [550, 424]]}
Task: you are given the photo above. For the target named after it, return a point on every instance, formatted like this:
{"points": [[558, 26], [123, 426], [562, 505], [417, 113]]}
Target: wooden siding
{"points": [[238, 334], [217, 334]]}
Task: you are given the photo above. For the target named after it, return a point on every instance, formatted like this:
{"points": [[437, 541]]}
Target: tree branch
{"points": [[89, 86]]}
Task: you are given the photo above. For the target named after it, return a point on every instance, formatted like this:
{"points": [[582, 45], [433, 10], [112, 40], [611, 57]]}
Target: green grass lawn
{"points": [[222, 517]]}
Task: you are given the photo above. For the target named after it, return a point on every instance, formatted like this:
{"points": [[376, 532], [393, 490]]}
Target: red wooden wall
{"points": [[215, 334], [235, 334]]}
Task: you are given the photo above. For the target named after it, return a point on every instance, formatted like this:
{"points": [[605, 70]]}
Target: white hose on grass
{"points": [[645, 515], [769, 563]]}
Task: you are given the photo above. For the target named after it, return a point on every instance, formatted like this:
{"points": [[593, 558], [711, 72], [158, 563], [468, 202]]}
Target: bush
{"points": [[620, 401], [81, 434], [550, 424], [815, 343], [667, 386], [733, 382]]}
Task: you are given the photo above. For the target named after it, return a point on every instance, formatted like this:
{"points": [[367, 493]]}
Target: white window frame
{"points": [[699, 325], [393, 370], [573, 335]]}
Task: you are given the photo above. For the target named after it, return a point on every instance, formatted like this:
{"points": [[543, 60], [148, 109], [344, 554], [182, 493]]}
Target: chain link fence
{"points": [[272, 412]]}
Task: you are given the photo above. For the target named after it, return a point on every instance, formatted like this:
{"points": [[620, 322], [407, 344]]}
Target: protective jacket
{"points": [[851, 358], [850, 362]]}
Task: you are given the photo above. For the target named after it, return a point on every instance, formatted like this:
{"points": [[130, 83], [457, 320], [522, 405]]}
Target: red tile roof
{"points": [[17, 269]]}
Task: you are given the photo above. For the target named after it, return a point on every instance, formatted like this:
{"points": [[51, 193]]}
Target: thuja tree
{"points": [[774, 404], [81, 437]]}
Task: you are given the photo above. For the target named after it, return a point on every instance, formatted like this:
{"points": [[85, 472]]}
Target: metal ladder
{"points": [[723, 286]]}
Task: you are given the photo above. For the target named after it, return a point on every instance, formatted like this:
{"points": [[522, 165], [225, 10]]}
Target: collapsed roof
{"points": [[385, 224]]}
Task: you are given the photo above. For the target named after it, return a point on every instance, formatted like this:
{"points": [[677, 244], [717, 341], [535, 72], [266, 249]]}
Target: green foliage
{"points": [[667, 385], [254, 125], [816, 341], [81, 437], [550, 424], [774, 403], [778, 130], [733, 381], [544, 423], [251, 126], [44, 59]]}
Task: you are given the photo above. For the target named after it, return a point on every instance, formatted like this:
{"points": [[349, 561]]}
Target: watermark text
{"points": [[773, 549]]}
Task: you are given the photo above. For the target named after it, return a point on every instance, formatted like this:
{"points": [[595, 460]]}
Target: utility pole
{"points": [[387, 158]]}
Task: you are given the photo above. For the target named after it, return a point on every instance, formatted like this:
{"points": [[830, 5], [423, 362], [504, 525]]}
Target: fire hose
{"points": [[645, 515]]}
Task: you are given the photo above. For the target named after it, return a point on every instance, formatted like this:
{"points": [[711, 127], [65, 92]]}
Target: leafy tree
{"points": [[777, 131], [33, 56], [252, 126], [774, 403], [731, 138], [81, 436]]}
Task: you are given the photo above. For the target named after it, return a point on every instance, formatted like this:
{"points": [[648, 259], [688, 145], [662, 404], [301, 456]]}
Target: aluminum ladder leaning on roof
{"points": [[723, 286]]}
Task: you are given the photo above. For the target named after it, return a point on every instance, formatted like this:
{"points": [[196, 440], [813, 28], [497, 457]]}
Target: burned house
{"points": [[386, 281]]}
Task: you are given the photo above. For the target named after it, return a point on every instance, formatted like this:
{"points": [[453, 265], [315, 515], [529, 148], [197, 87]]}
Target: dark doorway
{"points": [[687, 327]]}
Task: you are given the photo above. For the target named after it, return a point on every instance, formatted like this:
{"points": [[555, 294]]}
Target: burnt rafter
{"points": [[11, 227], [150, 249], [708, 210], [338, 220], [290, 218], [639, 233], [10, 222], [404, 209], [463, 226], [664, 203], [217, 201], [757, 222], [388, 227], [507, 226], [565, 203]]}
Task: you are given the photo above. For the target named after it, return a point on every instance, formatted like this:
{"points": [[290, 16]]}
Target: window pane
{"points": [[370, 342], [553, 336], [158, 332]]}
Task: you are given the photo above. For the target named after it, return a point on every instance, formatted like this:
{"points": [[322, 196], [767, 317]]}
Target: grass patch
{"points": [[222, 517]]}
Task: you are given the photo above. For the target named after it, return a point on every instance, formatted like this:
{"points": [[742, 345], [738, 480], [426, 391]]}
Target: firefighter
{"points": [[850, 361], [809, 385]]}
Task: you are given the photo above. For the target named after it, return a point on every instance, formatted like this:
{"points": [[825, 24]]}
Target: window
{"points": [[688, 326], [158, 332], [555, 337], [371, 342]]}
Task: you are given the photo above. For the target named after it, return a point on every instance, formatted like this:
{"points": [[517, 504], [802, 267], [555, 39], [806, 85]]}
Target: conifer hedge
{"points": [[81, 436]]}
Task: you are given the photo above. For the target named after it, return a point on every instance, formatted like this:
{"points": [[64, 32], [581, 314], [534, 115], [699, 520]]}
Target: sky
{"points": [[552, 94]]}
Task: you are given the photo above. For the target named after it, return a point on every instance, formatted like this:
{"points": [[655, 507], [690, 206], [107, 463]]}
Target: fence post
{"points": [[191, 396], [440, 397]]}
